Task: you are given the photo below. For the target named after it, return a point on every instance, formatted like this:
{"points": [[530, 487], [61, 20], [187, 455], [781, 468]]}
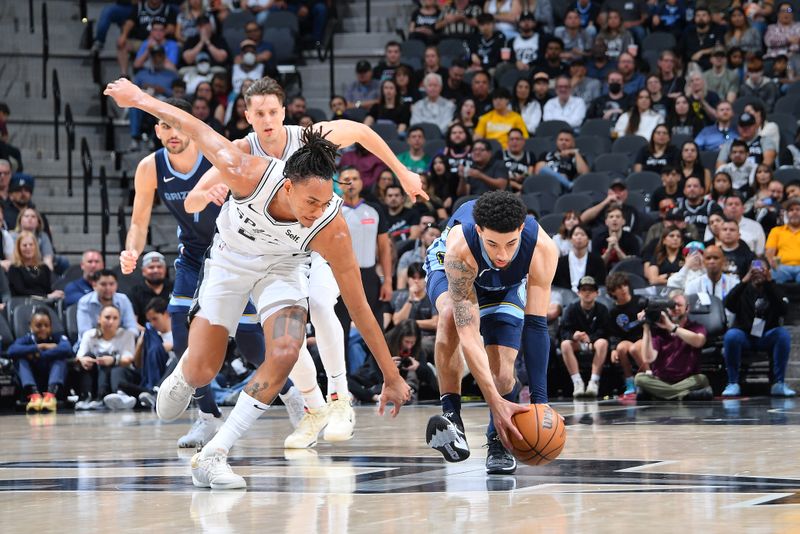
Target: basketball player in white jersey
{"points": [[271, 139], [275, 218]]}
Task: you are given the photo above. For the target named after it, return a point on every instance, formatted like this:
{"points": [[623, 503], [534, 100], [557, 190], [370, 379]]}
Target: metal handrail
{"points": [[105, 216], [122, 230], [45, 48], [369, 13], [69, 126], [30, 16], [56, 112], [86, 161], [326, 52]]}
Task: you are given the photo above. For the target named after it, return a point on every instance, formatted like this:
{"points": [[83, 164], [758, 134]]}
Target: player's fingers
{"points": [[514, 431], [381, 405], [424, 195]]}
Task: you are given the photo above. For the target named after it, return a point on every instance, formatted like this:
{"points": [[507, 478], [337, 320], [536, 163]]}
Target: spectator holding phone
{"points": [[758, 307]]}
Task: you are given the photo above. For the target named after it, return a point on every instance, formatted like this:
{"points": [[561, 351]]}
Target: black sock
{"points": [[31, 390], [54, 389], [451, 402]]}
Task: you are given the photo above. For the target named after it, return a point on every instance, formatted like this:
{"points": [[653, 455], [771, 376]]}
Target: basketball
{"points": [[543, 433]]}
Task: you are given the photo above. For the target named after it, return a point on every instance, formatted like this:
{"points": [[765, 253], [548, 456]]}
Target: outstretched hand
{"points": [[412, 185], [124, 92], [502, 414], [395, 391]]}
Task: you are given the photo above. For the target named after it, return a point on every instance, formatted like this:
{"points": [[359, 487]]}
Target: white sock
{"points": [[595, 378], [304, 376], [576, 378], [330, 343], [241, 418]]}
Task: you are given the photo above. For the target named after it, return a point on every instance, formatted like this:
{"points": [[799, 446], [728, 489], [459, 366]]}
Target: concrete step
{"points": [[386, 8], [362, 43]]}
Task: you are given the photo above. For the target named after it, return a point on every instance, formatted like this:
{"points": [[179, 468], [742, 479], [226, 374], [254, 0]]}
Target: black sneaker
{"points": [[702, 394], [445, 433], [498, 460]]}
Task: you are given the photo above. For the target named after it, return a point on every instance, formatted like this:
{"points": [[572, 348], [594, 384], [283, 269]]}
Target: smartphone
{"points": [[758, 265]]}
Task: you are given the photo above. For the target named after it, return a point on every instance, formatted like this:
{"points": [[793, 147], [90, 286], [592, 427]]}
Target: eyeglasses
{"points": [[786, 10]]}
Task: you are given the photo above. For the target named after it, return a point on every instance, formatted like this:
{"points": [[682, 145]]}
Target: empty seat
{"points": [[644, 181], [280, 19], [541, 183], [398, 146], [431, 130], [540, 145], [787, 175], [572, 202], [594, 145], [630, 144], [387, 130], [658, 41], [709, 159], [617, 162], [599, 127], [591, 182], [551, 128], [551, 223], [433, 147]]}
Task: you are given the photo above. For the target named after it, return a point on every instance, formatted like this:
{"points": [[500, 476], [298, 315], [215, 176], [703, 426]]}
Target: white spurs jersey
{"points": [[294, 141], [247, 227]]}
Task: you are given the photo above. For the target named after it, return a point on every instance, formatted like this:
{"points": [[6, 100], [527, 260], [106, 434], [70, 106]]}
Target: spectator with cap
{"points": [[206, 41], [719, 78], [565, 163], [264, 49], [564, 106], [585, 88], [155, 283], [104, 294], [485, 46], [759, 149], [363, 92], [433, 108], [497, 123], [584, 332], [712, 137], [783, 246], [156, 81], [759, 307], [246, 65], [20, 191], [525, 47], [136, 29], [155, 41], [617, 194], [672, 348], [91, 262], [541, 89]]}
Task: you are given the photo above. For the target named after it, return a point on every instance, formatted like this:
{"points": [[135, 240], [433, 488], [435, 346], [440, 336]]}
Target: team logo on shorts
{"points": [[440, 257]]}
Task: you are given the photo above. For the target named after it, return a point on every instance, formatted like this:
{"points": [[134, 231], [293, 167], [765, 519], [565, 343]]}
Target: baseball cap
{"points": [[746, 119], [527, 15], [153, 256], [693, 246], [247, 42], [21, 181], [718, 51], [618, 182], [363, 66], [202, 57], [541, 76], [588, 281], [578, 61]]}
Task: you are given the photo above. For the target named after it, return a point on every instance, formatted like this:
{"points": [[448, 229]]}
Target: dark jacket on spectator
{"points": [[75, 290], [27, 344], [742, 300], [594, 268], [27, 281], [594, 322]]}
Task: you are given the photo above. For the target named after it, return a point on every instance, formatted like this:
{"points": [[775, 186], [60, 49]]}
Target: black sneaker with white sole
{"points": [[445, 433], [498, 460]]}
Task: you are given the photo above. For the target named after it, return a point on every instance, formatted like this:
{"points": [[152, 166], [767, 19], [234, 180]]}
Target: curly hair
{"points": [[315, 159], [616, 280], [499, 211]]}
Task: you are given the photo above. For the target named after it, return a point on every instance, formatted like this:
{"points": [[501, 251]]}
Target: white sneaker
{"points": [[342, 420], [591, 389], [307, 431], [174, 395], [82, 405], [119, 401], [96, 405], [201, 432], [295, 405], [214, 472], [578, 389]]}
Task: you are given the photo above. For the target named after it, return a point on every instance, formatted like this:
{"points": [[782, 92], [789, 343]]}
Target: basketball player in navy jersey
{"points": [[277, 215], [172, 172], [271, 138], [489, 275]]}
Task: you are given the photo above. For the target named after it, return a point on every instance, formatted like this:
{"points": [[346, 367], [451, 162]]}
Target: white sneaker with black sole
{"points": [[445, 433]]}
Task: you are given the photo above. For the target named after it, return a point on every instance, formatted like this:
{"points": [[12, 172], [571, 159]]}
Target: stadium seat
{"points": [[633, 265], [709, 159], [71, 322], [387, 130], [658, 42], [598, 127], [742, 101], [630, 144], [398, 146], [279, 19], [551, 223], [431, 130], [317, 114], [551, 128], [540, 145], [531, 201], [463, 200], [644, 181], [356, 114], [412, 48], [593, 145], [679, 139], [572, 202], [787, 175], [541, 183], [592, 182], [433, 147], [617, 162], [22, 318], [453, 48]]}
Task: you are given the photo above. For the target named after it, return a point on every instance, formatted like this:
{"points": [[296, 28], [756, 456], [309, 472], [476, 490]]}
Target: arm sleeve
{"points": [[62, 352], [21, 347]]}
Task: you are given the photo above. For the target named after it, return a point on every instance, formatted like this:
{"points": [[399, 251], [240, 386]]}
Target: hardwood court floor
{"points": [[729, 467]]}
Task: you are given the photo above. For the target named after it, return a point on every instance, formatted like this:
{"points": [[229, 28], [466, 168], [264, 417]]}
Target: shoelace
{"points": [[176, 391], [220, 463]]}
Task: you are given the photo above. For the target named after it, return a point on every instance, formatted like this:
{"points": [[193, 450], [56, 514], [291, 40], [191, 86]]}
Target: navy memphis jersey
{"points": [[489, 278], [195, 230]]}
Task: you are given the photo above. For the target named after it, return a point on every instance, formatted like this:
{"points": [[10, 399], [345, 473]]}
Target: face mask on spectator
{"points": [[203, 67], [614, 87], [249, 59]]}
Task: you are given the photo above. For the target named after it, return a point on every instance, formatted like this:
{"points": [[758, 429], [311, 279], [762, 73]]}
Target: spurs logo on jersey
{"points": [[247, 227]]}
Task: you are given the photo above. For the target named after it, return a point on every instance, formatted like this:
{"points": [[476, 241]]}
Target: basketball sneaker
{"points": [[201, 432], [49, 402], [732, 390], [591, 389], [498, 460], [214, 472], [147, 400], [779, 389], [174, 395], [578, 390], [307, 431], [445, 433], [342, 419], [34, 403], [119, 401], [295, 405]]}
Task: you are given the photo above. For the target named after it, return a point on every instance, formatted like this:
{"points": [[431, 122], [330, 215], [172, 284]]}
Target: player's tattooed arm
{"points": [[460, 279]]}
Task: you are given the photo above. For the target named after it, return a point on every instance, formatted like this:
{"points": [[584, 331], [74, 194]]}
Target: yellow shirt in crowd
{"points": [[787, 243], [492, 125]]}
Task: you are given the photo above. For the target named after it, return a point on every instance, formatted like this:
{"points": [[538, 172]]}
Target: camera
{"points": [[405, 363], [653, 307]]}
